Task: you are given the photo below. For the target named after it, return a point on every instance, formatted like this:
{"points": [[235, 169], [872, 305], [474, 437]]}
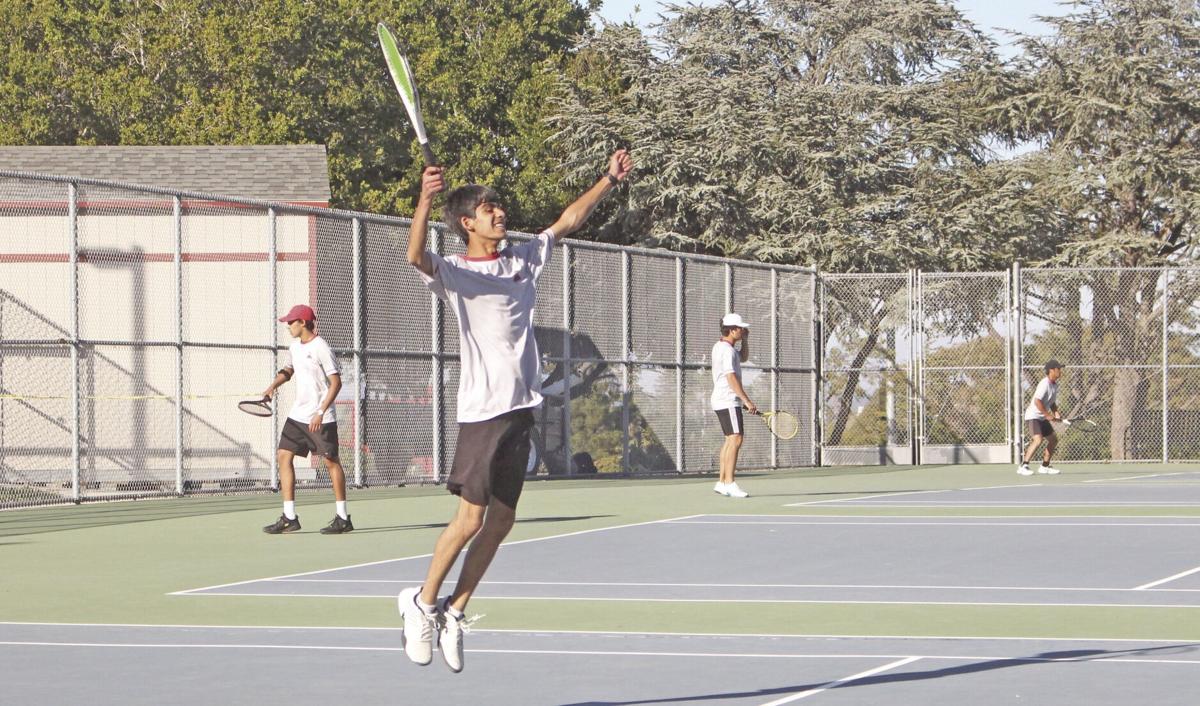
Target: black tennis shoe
{"points": [[283, 525], [338, 526]]}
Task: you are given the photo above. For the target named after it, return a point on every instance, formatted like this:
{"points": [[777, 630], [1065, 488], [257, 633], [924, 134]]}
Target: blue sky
{"points": [[986, 14]]}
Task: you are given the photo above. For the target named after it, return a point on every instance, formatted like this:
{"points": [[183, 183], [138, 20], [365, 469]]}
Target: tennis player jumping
{"points": [[492, 291]]}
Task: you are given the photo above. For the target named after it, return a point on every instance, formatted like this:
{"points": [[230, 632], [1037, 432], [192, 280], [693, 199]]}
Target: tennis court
{"points": [[922, 585]]}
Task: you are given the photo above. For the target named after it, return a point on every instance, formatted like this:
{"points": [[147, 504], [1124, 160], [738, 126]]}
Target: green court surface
{"points": [[120, 562]]}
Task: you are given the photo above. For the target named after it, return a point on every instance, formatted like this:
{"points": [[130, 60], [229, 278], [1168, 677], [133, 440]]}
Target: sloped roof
{"points": [[288, 173]]}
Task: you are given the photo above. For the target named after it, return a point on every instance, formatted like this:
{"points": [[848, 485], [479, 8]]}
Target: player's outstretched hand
{"points": [[432, 182], [620, 164]]}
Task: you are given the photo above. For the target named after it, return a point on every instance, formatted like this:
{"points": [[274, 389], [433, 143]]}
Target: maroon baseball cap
{"points": [[301, 312]]}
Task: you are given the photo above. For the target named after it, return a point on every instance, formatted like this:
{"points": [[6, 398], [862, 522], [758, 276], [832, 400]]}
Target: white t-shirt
{"points": [[493, 301], [1047, 392], [312, 363], [725, 360]]}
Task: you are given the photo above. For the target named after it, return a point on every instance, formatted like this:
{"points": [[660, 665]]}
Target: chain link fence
{"points": [[132, 320]]}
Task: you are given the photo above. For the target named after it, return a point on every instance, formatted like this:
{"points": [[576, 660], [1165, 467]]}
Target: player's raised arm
{"points": [[432, 183], [572, 219]]}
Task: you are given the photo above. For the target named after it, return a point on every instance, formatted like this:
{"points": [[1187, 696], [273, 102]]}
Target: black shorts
{"points": [[491, 457], [299, 440], [1039, 427], [731, 421]]}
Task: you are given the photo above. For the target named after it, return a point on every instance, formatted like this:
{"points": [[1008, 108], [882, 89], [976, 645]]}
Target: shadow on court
{"points": [[919, 675]]}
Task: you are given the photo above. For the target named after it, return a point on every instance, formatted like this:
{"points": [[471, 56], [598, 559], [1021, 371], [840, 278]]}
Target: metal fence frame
{"points": [[359, 354]]}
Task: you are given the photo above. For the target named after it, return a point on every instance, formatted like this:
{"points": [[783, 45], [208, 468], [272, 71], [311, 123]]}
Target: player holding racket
{"points": [[728, 397], [1043, 409], [492, 291], [311, 426]]}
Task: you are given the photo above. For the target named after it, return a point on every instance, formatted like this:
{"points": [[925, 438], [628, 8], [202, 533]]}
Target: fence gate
{"points": [[964, 371]]}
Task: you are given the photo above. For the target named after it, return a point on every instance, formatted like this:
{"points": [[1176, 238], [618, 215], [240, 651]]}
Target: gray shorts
{"points": [[1040, 427], [299, 440]]}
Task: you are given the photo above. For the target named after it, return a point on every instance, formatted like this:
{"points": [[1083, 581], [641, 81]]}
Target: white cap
{"points": [[734, 320]]}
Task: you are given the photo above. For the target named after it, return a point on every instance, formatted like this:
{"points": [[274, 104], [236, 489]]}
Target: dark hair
{"points": [[726, 329], [462, 202], [310, 325]]}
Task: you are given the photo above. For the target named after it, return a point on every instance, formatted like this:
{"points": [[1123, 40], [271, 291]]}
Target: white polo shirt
{"points": [[493, 301], [725, 360], [1047, 392], [312, 363]]}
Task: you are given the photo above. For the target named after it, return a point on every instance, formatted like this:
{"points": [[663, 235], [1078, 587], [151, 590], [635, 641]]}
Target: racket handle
{"points": [[427, 153]]}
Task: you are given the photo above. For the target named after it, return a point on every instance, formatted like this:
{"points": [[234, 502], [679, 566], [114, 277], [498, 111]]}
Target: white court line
{"points": [[842, 681], [996, 487], [590, 653], [195, 591], [638, 584], [620, 633], [1153, 584], [862, 516], [867, 497], [734, 601], [1149, 475], [1003, 503], [951, 521]]}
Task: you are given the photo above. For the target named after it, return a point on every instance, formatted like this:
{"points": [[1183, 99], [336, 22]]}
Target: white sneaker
{"points": [[1048, 470], [419, 626], [721, 489], [1024, 470], [450, 638], [733, 491]]}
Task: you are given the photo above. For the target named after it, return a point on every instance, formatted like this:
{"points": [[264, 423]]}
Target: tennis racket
{"points": [[783, 425], [1081, 424], [259, 408], [406, 85]]}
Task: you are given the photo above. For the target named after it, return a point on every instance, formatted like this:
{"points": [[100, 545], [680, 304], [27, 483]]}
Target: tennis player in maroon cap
{"points": [[311, 426]]}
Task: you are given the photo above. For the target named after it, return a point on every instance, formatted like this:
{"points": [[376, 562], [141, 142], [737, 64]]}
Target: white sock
{"points": [[289, 509], [426, 608], [452, 611], [341, 509]]}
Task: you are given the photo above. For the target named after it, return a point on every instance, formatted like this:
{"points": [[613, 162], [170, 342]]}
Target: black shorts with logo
{"points": [[731, 421], [1039, 427], [299, 440], [491, 458]]}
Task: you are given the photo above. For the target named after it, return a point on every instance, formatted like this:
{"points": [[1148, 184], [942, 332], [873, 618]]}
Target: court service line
{"points": [[1149, 475], [951, 522], [868, 497], [1153, 584], [861, 516], [842, 682], [1016, 504], [640, 584], [734, 601], [197, 591]]}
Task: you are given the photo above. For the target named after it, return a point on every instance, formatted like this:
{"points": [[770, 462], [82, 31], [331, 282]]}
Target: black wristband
{"points": [[612, 179]]}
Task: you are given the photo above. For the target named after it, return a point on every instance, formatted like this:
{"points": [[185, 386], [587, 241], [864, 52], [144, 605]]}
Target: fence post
{"points": [[818, 399], [567, 311], [272, 263], [356, 286], [679, 335], [1016, 352], [1166, 320], [436, 322], [626, 393], [774, 359], [916, 368], [177, 214], [76, 412]]}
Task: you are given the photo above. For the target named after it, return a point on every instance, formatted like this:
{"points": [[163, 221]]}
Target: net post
{"points": [[177, 223], [681, 464], [76, 411], [1166, 302], [567, 311], [272, 264], [626, 394], [356, 286]]}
